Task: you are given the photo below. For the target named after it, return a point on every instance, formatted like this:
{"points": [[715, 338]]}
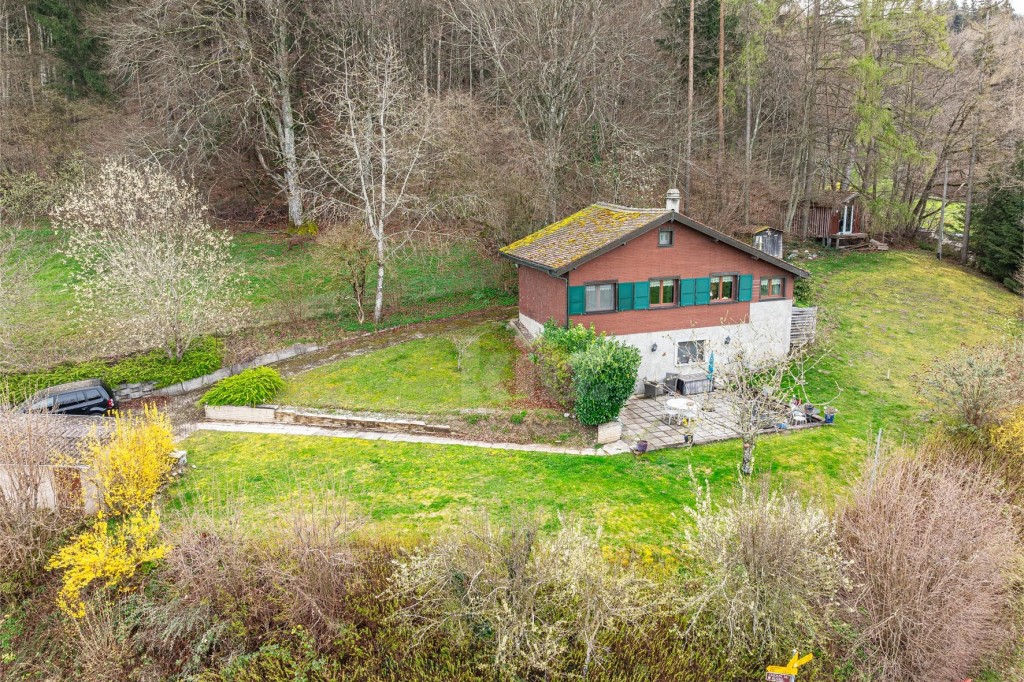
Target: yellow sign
{"points": [[791, 667]]}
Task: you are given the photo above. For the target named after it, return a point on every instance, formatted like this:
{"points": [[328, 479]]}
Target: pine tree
{"points": [[999, 240]]}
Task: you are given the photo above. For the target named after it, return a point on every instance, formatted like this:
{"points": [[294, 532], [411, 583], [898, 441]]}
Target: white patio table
{"points": [[684, 407]]}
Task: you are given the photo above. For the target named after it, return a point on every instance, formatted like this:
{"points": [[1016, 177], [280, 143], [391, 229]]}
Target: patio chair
{"points": [[672, 417]]}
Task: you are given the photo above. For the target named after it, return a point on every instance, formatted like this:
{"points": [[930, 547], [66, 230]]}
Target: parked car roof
{"points": [[65, 388]]}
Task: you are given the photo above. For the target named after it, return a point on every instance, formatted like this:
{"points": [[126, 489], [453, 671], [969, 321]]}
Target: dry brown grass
{"points": [[933, 558]]}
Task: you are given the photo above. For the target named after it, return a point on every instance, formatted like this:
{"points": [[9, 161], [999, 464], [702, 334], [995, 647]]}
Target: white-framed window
{"points": [[665, 237], [773, 287], [690, 352], [600, 298]]}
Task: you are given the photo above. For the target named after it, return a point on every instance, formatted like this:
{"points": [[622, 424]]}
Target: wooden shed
{"points": [[769, 240], [834, 216]]}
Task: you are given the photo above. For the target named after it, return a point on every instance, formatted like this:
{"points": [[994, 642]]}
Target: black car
{"points": [[89, 397]]}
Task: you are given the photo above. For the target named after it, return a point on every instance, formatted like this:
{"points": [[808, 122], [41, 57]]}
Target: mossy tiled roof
{"points": [[575, 237]]}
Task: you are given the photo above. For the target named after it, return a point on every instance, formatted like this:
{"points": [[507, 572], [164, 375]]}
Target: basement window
{"points": [[690, 352]]}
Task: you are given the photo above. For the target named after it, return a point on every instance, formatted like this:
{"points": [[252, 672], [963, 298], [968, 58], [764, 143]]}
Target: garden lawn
{"points": [[890, 315], [419, 376], [410, 490]]}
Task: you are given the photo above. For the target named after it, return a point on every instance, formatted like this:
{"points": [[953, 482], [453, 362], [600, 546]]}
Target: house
{"points": [[833, 215], [674, 288]]}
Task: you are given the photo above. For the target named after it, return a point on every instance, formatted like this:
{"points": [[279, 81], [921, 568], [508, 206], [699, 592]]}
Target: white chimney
{"points": [[672, 200]]}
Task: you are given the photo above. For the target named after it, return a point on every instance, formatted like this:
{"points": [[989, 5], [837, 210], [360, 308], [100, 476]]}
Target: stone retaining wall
{"points": [[268, 413]]}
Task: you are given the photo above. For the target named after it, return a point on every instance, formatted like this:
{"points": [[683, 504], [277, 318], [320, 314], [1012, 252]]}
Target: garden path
{"points": [[301, 430]]}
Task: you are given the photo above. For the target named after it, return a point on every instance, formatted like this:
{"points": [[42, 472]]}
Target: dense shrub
{"points": [[604, 374], [932, 553], [254, 386], [768, 568], [531, 598], [108, 553], [130, 464], [971, 387], [204, 357], [552, 353], [592, 374]]}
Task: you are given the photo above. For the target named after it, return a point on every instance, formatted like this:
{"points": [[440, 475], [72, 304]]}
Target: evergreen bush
{"points": [[252, 387], [604, 374]]}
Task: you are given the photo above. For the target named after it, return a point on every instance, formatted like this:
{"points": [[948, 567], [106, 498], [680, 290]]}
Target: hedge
{"points": [[205, 356]]}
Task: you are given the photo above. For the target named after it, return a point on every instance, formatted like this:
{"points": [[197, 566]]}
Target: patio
{"points": [[645, 419]]}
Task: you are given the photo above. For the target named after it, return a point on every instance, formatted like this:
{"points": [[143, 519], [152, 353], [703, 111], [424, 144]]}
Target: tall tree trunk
{"points": [[289, 155], [748, 457], [970, 193], [721, 82], [378, 301], [689, 117]]}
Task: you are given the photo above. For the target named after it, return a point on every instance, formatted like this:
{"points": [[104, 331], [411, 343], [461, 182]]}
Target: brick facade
{"points": [[541, 296], [692, 254]]}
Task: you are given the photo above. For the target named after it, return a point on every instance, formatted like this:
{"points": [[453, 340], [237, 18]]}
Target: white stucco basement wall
{"points": [[766, 335]]}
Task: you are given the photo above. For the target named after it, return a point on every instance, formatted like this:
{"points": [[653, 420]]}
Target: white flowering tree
{"points": [[152, 272]]}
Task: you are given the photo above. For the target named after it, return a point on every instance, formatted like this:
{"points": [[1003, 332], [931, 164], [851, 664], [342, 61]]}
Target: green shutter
{"points": [[641, 295], [577, 300], [687, 292], [625, 295], [746, 288], [702, 292]]}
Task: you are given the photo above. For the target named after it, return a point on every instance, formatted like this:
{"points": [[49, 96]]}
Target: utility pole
{"points": [[942, 212]]}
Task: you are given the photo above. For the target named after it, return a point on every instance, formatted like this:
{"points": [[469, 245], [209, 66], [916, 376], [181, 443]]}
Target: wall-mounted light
{"points": [[654, 347], [727, 340]]}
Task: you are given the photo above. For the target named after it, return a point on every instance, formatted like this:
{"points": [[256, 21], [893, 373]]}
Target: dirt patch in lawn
{"points": [[550, 427]]}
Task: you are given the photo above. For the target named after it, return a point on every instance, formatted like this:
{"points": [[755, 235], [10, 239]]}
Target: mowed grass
{"points": [[419, 376], [891, 315]]}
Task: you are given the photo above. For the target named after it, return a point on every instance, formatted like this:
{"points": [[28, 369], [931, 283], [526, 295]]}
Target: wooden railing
{"points": [[803, 326]]}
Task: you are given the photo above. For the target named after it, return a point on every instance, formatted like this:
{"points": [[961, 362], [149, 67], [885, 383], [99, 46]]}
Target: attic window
{"points": [[665, 237]]}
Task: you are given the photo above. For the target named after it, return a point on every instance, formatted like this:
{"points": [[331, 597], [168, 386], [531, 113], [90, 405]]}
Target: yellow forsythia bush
{"points": [[110, 552], [1008, 436], [131, 464]]}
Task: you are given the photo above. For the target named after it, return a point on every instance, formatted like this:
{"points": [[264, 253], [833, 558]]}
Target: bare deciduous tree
{"points": [[29, 443], [152, 271], [371, 144], [207, 73]]}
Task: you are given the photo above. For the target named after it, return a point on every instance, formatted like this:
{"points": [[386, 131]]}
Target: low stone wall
{"points": [[145, 390], [267, 414], [233, 413], [353, 423]]}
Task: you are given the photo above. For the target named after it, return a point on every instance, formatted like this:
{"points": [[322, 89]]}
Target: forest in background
{"points": [[498, 116]]}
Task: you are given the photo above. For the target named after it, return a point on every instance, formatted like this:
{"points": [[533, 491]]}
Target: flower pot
{"points": [[640, 447]]}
